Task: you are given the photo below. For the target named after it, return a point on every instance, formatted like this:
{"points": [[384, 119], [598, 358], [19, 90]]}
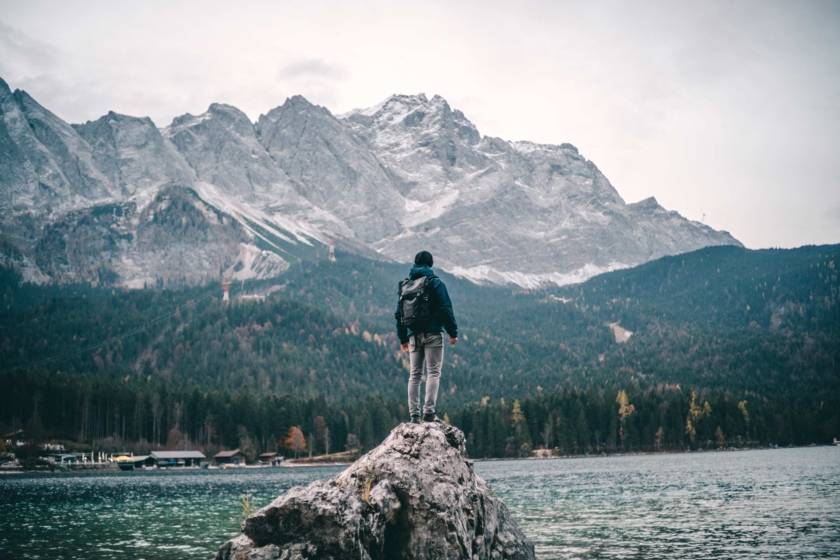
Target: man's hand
{"points": [[453, 340], [404, 347]]}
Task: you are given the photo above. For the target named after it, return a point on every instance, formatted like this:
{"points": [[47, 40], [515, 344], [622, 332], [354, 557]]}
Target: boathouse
{"points": [[178, 458], [229, 457]]}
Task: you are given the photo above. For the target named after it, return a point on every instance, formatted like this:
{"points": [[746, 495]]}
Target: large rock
{"points": [[413, 497]]}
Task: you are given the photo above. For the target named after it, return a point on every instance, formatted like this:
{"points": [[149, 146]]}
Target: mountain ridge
{"points": [[409, 173]]}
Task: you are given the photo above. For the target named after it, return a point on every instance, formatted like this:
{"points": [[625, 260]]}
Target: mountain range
{"points": [[120, 201]]}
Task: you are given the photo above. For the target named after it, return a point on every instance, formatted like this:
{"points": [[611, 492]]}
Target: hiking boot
{"points": [[415, 419], [430, 417]]}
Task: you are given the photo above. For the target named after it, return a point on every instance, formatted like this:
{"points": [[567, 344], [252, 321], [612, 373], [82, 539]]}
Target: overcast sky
{"points": [[724, 111]]}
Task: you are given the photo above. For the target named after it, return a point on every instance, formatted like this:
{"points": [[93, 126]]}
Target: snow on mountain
{"points": [[519, 212], [483, 274], [426, 144], [117, 200]]}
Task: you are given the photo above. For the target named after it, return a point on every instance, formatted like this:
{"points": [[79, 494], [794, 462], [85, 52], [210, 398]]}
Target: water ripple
{"points": [[746, 505]]}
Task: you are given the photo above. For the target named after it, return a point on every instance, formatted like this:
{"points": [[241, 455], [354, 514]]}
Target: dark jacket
{"points": [[443, 317]]}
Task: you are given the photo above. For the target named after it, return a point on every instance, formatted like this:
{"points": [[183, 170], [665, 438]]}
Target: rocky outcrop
{"points": [[413, 497]]}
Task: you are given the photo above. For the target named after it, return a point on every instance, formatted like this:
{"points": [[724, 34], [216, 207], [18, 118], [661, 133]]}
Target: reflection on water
{"points": [[752, 504]]}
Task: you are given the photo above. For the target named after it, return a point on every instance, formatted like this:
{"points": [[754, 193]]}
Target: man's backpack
{"points": [[415, 302]]}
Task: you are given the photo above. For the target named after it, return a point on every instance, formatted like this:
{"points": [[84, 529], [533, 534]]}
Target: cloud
{"points": [[315, 78], [728, 109], [310, 68], [22, 55]]}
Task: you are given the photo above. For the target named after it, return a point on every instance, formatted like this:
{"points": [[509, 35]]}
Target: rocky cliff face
{"points": [[409, 173], [334, 167], [133, 155], [414, 497], [510, 211], [44, 164]]}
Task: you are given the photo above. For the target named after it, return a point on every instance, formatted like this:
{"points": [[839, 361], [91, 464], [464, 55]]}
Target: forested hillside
{"points": [[720, 345]]}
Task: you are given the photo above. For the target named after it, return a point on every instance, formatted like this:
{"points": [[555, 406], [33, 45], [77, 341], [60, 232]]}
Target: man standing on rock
{"points": [[424, 311]]}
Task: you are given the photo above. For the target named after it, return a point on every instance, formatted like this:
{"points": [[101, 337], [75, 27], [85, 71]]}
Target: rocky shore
{"points": [[414, 497]]}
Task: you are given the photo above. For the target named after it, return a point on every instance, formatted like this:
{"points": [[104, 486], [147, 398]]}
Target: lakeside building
{"points": [[178, 458], [131, 462], [66, 459], [16, 439], [272, 459], [229, 457]]}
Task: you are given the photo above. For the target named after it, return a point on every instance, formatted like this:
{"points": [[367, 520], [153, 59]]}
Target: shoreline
{"points": [[299, 465], [472, 459], [590, 455], [638, 453]]}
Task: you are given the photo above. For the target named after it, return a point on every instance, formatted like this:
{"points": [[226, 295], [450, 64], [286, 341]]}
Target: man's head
{"points": [[424, 258]]}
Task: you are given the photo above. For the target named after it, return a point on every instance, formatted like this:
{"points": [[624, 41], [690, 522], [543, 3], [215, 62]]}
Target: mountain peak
{"points": [[398, 102], [294, 105], [411, 102], [224, 108], [23, 97], [415, 111], [221, 110], [410, 98], [525, 146], [112, 116], [649, 203], [298, 101]]}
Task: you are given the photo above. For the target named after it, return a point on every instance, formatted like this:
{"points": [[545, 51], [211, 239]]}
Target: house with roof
{"points": [[271, 458], [65, 459], [131, 462], [187, 458], [229, 457]]}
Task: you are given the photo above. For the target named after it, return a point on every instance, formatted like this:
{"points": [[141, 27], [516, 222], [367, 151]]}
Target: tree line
{"points": [[89, 412]]}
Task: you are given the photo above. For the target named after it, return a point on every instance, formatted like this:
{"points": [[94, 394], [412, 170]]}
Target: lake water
{"points": [[781, 503]]}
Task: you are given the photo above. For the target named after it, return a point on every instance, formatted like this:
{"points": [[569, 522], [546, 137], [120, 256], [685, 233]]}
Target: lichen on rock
{"points": [[414, 497]]}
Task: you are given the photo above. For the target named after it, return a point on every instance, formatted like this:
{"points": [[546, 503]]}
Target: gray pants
{"points": [[426, 353]]}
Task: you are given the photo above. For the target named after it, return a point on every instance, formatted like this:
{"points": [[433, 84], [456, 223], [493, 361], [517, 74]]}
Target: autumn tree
{"points": [[695, 414], [745, 414], [295, 440], [175, 438], [521, 435], [720, 438], [625, 409], [658, 438]]}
